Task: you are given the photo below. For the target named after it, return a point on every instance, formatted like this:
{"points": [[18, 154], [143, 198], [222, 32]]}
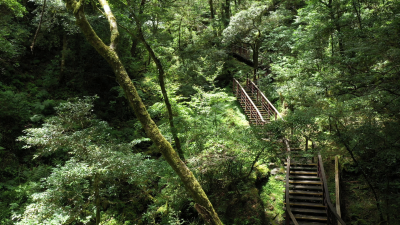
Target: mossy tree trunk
{"points": [[109, 53]]}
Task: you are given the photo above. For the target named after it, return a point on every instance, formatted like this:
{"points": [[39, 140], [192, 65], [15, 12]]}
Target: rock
{"points": [[275, 171]]}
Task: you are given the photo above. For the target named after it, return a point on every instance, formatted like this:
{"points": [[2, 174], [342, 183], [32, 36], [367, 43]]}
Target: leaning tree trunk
{"points": [[163, 90], [203, 205]]}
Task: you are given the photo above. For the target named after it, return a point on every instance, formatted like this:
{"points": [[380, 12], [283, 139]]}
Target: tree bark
{"points": [[97, 198], [210, 2], [63, 56], [179, 37], [227, 10], [63, 53], [110, 55], [255, 59], [40, 24]]}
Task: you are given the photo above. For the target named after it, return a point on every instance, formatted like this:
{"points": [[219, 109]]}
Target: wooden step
{"points": [[310, 217], [302, 168], [304, 177], [294, 197], [305, 182], [305, 192], [303, 172], [308, 223], [313, 218], [306, 204], [302, 164], [306, 210], [305, 187]]}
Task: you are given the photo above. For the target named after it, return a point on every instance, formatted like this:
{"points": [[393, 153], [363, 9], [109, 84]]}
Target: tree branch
{"points": [[113, 24], [40, 24]]}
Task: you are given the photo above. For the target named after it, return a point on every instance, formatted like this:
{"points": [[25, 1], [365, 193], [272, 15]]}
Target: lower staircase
{"points": [[305, 194], [307, 199]]}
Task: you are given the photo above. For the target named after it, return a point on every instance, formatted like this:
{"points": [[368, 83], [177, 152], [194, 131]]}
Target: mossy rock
{"points": [[253, 176], [262, 170]]}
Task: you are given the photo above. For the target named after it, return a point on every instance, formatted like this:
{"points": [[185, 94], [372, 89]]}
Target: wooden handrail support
{"points": [[238, 89], [244, 52], [333, 217], [337, 185], [252, 85], [289, 214]]}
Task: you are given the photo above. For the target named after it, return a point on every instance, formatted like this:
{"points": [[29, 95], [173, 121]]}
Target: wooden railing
{"points": [[261, 99], [289, 215], [333, 217], [243, 98]]}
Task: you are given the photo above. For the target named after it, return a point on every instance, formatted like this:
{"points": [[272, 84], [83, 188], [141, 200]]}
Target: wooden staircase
{"points": [[305, 193], [256, 106], [263, 112], [306, 189]]}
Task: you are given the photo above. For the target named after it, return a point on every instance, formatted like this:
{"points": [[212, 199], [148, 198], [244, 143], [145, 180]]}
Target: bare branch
{"points": [[40, 24], [113, 24]]}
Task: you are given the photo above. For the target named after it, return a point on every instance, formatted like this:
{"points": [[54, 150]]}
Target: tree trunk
{"points": [[210, 2], [163, 90], [97, 198], [63, 55], [109, 53], [134, 47], [255, 60], [179, 37], [227, 12]]}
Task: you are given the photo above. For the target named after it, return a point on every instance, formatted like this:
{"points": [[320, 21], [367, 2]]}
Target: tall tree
{"points": [[252, 26], [203, 205], [161, 75]]}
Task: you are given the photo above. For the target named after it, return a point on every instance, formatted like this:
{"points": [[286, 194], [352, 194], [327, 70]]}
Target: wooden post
{"points": [[312, 147], [306, 144], [337, 186], [287, 219]]}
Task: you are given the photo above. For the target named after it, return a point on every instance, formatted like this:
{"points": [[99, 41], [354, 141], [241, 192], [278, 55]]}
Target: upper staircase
{"points": [[307, 200], [257, 107]]}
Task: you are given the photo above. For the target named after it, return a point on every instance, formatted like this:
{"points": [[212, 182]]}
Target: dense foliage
{"points": [[72, 150]]}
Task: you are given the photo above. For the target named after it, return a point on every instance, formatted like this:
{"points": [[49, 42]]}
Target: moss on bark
{"points": [[151, 129]]}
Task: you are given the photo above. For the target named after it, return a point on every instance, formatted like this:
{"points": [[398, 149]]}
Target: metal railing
{"points": [[333, 217], [262, 100], [249, 105]]}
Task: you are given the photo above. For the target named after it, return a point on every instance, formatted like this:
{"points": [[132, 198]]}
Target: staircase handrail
{"points": [[289, 213], [251, 84], [238, 88], [333, 217]]}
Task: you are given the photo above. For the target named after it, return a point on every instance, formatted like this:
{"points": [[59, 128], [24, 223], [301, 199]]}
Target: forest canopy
{"points": [[122, 112]]}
